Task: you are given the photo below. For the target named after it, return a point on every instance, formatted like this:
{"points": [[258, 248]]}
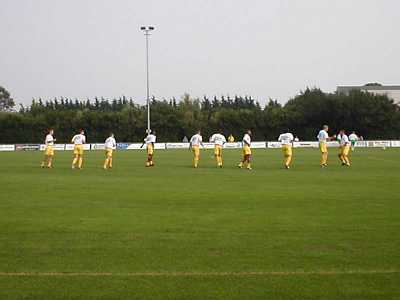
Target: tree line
{"points": [[372, 116]]}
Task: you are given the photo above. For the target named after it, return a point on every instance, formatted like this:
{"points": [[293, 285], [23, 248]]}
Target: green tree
{"points": [[6, 102]]}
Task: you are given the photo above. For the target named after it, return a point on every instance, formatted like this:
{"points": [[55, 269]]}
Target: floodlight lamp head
{"points": [[147, 28]]}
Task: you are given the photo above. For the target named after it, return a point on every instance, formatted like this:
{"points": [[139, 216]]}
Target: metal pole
{"points": [[147, 30], [148, 85]]}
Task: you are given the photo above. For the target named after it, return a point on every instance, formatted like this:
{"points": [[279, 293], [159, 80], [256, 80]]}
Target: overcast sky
{"points": [[274, 48]]}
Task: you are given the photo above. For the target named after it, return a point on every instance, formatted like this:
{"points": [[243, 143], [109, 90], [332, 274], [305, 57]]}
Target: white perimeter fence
{"points": [[163, 146]]}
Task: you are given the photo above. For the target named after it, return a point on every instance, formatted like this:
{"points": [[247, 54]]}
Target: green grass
{"points": [[312, 233]]}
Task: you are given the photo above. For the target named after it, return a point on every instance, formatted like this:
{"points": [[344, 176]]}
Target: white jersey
{"points": [[49, 141], [246, 140], [150, 139], [286, 138], [79, 139], [344, 140], [196, 140], [218, 139], [353, 137], [322, 136], [110, 143]]}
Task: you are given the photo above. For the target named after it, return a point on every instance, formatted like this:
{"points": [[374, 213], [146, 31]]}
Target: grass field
{"points": [[173, 232]]}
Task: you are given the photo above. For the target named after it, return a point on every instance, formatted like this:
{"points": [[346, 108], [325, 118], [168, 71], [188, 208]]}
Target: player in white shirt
{"points": [[49, 150], [323, 137], [344, 148], [338, 139], [246, 142], [150, 140], [353, 140], [195, 143], [78, 140], [219, 140], [286, 140], [110, 145]]}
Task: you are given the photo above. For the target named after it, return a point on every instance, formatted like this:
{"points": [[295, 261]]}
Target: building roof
{"points": [[370, 87]]}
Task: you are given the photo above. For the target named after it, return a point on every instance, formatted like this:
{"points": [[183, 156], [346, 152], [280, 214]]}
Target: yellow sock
{"points": [[248, 166], [49, 162], [74, 161], [324, 159], [80, 162], [110, 162], [105, 164]]}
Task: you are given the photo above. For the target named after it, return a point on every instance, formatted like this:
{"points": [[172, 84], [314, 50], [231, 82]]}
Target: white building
{"points": [[392, 91]]}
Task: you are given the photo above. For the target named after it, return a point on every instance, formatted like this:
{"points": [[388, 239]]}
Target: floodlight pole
{"points": [[147, 30]]}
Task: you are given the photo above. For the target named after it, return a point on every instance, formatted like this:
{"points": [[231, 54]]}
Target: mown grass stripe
{"points": [[196, 274]]}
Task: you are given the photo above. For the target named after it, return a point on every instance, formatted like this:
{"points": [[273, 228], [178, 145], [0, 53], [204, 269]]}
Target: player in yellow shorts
{"points": [[195, 143], [219, 140], [345, 146], [286, 140], [246, 161], [150, 140], [49, 150], [78, 140], [323, 137], [110, 145]]}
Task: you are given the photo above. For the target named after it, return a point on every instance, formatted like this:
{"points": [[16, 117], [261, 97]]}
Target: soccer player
{"points": [[110, 146], [78, 140], [246, 161], [286, 140], [323, 137], [195, 143], [353, 140], [344, 148], [49, 150], [338, 139], [219, 140], [150, 140]]}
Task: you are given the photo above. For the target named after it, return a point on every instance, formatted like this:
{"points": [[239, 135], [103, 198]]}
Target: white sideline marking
{"points": [[194, 274]]}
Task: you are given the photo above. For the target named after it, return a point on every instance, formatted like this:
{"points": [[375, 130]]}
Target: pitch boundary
{"points": [[198, 274]]}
